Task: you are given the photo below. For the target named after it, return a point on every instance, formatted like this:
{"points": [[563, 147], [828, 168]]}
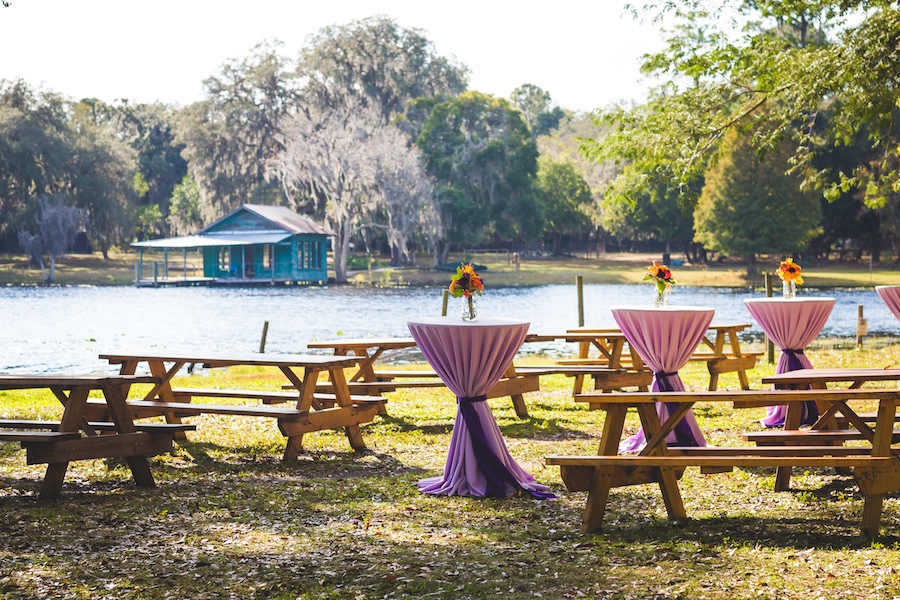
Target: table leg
{"points": [[583, 351], [736, 352], [73, 414], [518, 400], [163, 390], [601, 481], [791, 422], [342, 393], [115, 402], [881, 446], [668, 483], [306, 388]]}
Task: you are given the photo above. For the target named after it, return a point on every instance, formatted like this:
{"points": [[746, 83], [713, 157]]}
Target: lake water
{"points": [[63, 329]]}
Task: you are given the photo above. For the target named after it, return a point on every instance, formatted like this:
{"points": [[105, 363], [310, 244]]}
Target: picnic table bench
{"points": [[310, 412], [367, 350], [720, 349], [876, 467], [74, 437], [831, 427]]}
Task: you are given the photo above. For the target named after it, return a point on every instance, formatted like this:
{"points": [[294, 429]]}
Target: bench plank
{"points": [[265, 396], [99, 446], [31, 437], [101, 426], [219, 409], [718, 461]]}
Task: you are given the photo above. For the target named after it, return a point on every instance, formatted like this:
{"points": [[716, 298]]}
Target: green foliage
{"points": [[535, 104], [184, 207], [229, 137], [749, 205], [484, 161], [375, 63], [794, 60], [566, 199], [140, 185]]}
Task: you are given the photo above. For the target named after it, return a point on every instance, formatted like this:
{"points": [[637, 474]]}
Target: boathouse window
{"points": [[224, 259]]}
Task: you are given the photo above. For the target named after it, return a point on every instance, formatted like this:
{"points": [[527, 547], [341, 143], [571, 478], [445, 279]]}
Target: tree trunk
{"points": [[751, 265], [49, 279], [341, 250]]}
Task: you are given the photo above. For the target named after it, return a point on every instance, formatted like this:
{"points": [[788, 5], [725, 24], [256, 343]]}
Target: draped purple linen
{"points": [[470, 357], [890, 294], [791, 324], [665, 338]]}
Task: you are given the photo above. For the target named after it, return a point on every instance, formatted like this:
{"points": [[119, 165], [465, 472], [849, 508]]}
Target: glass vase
{"points": [[789, 289], [469, 308], [662, 297]]}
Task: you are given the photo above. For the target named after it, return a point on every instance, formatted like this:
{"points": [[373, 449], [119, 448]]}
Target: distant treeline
{"points": [[373, 133]]}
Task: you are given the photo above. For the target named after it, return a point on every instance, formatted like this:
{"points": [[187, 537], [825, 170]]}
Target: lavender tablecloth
{"points": [[665, 338], [791, 324], [470, 357], [890, 294]]}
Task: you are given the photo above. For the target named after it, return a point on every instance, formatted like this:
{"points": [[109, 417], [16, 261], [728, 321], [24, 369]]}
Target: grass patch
{"points": [[229, 519]]}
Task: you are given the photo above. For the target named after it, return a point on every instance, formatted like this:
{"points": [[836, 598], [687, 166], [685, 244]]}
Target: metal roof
{"points": [[280, 216], [219, 239]]}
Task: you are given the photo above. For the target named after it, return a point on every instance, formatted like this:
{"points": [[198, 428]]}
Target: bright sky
{"points": [[584, 52]]}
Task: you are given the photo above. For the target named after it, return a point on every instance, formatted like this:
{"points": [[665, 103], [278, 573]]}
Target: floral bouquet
{"points": [[660, 275], [466, 283], [788, 270], [791, 276]]}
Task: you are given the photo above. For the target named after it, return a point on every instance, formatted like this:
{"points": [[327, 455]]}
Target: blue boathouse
{"points": [[254, 244]]}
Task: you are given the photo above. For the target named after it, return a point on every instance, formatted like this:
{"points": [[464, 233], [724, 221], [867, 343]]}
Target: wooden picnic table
{"points": [[367, 376], [74, 437], [311, 411], [876, 467], [720, 349], [827, 425]]}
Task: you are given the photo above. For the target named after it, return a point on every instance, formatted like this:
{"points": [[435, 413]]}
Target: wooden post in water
{"points": [[445, 297], [262, 340], [770, 347], [579, 285]]}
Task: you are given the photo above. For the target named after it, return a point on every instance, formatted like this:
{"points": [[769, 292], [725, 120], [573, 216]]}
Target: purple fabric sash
{"points": [[498, 477], [683, 435], [810, 412], [793, 357]]}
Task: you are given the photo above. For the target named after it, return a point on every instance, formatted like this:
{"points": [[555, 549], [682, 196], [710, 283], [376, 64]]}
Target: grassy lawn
{"points": [[229, 519], [77, 269]]}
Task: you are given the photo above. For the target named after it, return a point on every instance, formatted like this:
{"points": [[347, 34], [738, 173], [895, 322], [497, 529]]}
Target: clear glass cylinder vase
{"points": [[469, 308], [661, 298], [788, 288]]}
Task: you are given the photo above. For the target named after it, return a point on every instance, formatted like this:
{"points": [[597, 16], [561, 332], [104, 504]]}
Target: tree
{"points": [[149, 130], [101, 178], [566, 199], [751, 206], [184, 207], [326, 159], [376, 64], [483, 159], [35, 150], [405, 191], [230, 136], [535, 104], [797, 58], [57, 225]]}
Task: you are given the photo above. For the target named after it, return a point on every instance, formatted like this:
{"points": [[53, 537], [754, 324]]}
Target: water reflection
{"points": [[63, 329]]}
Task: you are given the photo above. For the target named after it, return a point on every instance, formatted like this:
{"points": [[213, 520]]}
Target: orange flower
{"points": [[788, 270], [466, 282], [660, 275]]}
